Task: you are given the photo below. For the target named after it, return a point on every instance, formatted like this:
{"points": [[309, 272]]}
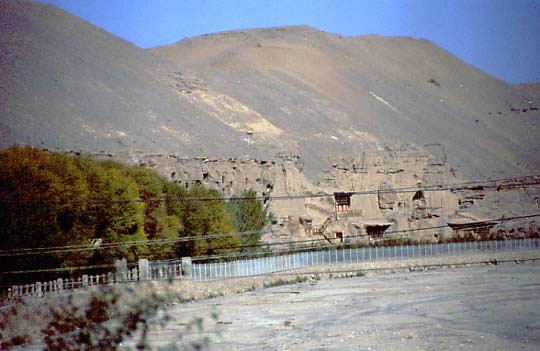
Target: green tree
{"points": [[160, 223], [249, 215], [42, 203], [116, 217], [205, 213], [51, 199]]}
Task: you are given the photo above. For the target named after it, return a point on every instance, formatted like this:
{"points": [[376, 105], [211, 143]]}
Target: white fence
{"points": [[177, 269], [145, 270], [272, 264]]}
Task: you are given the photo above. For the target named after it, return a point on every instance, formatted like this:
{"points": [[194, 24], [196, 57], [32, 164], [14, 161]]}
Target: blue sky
{"points": [[501, 37]]}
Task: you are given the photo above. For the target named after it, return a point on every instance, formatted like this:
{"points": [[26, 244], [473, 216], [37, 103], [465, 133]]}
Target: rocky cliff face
{"points": [[216, 109], [392, 190]]}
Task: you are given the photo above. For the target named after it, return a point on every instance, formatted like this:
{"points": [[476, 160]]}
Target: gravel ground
{"points": [[469, 308], [416, 307]]}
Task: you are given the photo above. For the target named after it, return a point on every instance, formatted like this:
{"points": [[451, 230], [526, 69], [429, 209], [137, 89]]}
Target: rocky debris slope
{"points": [[332, 96], [69, 85]]}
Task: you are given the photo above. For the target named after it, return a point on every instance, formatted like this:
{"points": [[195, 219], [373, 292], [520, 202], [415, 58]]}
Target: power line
{"points": [[77, 248], [336, 246], [476, 225], [483, 224], [64, 249], [62, 269], [454, 187], [485, 183]]}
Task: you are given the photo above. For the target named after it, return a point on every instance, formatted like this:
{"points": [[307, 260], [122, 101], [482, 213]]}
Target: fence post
{"points": [[110, 278], [144, 269], [121, 270], [135, 274], [187, 267]]}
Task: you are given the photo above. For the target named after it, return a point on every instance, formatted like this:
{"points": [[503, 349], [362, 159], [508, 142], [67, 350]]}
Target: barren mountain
{"points": [[341, 94], [67, 84]]}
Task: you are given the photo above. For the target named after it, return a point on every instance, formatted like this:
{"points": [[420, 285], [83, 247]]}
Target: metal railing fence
{"points": [[175, 269], [273, 264]]}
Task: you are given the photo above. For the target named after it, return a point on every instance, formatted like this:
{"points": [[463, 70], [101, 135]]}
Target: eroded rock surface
{"points": [[382, 194]]}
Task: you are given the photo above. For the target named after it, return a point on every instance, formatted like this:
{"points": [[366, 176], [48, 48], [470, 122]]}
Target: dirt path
{"points": [[471, 308]]}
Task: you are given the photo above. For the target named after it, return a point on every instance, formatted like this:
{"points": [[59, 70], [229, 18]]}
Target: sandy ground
{"points": [[470, 308]]}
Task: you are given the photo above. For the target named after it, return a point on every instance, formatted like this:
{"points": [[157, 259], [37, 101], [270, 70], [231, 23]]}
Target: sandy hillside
{"points": [[69, 85], [367, 90]]}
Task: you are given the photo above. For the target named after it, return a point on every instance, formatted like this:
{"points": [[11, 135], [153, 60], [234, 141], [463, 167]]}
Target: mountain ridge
{"points": [[255, 93], [237, 59]]}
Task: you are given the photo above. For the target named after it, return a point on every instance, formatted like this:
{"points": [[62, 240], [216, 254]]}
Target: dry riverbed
{"points": [[480, 307], [461, 307]]}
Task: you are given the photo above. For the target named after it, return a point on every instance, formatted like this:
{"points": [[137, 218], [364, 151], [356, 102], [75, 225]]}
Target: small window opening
{"points": [[376, 231]]}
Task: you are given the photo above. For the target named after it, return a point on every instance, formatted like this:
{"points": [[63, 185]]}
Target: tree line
{"points": [[50, 199]]}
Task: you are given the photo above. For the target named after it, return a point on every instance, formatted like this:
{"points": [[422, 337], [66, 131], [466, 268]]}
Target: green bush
{"points": [[249, 215], [53, 200], [203, 215]]}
